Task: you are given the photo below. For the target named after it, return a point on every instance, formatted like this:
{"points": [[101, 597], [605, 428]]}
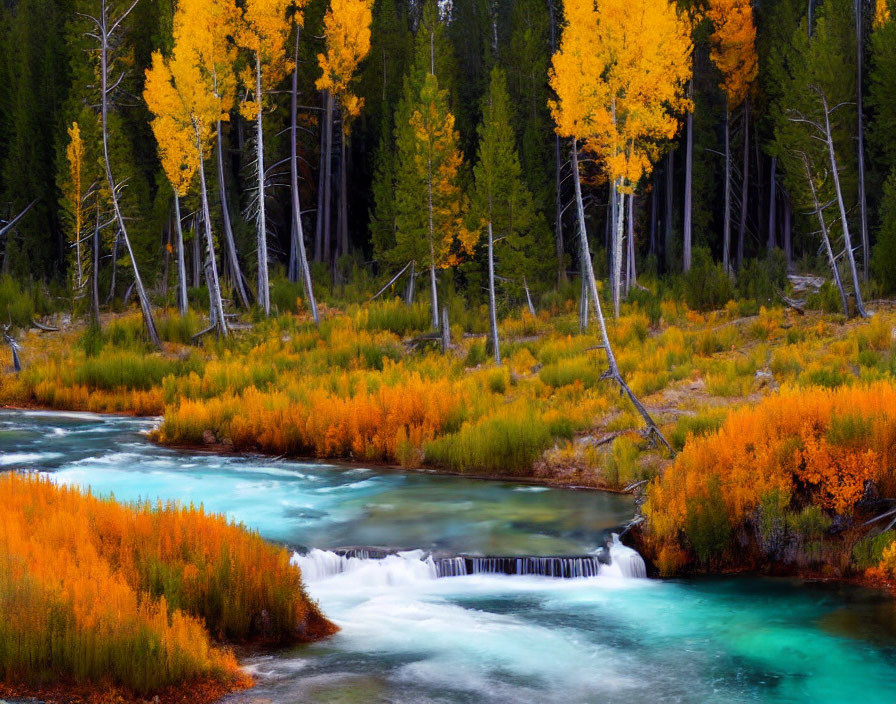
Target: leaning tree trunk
{"points": [[145, 307], [211, 275], [181, 264], [688, 184], [726, 217], [229, 241], [298, 240], [863, 210], [744, 188], [847, 242], [264, 289], [412, 280], [825, 238], [588, 271], [492, 313]]}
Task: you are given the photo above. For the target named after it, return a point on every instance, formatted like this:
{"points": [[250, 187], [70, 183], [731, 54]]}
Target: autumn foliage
{"points": [[811, 447], [135, 598]]}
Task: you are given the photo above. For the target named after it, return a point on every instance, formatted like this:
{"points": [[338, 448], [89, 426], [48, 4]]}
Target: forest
{"points": [[268, 267]]}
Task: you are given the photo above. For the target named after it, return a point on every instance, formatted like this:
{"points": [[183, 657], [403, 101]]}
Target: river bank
{"points": [[408, 636]]}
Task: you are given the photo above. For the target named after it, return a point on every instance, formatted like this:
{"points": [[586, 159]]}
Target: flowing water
{"points": [[376, 546]]}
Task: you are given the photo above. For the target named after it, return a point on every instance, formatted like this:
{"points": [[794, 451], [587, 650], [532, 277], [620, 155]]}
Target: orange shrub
{"points": [[814, 446], [96, 592]]}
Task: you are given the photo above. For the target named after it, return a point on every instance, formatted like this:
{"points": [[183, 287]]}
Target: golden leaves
{"points": [[347, 36], [619, 76], [733, 49]]}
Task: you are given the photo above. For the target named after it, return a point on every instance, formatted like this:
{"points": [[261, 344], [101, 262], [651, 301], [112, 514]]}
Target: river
{"points": [[409, 635]]}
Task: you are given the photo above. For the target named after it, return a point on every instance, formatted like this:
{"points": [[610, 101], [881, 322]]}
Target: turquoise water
{"points": [[408, 637]]}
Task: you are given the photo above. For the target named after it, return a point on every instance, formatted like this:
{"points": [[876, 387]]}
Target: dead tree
{"points": [[106, 37], [819, 210]]}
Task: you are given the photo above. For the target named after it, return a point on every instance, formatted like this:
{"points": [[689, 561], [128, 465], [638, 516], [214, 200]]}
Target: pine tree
{"points": [[501, 202], [428, 174]]}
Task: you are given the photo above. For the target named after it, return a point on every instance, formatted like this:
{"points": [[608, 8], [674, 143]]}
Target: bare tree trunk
{"points": [[322, 176], [688, 184], [583, 303], [114, 267], [216, 305], [492, 313], [670, 189], [327, 177], [772, 193], [653, 214], [744, 188], [631, 275], [197, 255], [104, 32], [343, 192], [94, 278], [863, 210], [264, 289], [618, 242], [229, 241], [528, 297], [726, 218], [827, 240], [181, 266], [788, 249], [446, 330], [412, 280], [434, 290], [298, 239], [850, 257], [612, 368]]}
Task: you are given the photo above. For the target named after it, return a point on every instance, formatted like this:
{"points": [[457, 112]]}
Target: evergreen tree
{"points": [[429, 202], [502, 204]]}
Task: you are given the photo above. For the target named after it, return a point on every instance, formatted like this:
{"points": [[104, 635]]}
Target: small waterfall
{"points": [[627, 560], [391, 568]]}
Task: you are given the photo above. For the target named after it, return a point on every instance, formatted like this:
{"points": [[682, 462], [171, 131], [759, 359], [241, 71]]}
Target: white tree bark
{"points": [[612, 367], [214, 286], [726, 217], [181, 262], [688, 184], [264, 289], [229, 241]]}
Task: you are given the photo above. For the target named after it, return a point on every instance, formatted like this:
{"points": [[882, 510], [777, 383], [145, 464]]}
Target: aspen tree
{"points": [[734, 53], [204, 33], [618, 100], [264, 32], [347, 38], [183, 103]]}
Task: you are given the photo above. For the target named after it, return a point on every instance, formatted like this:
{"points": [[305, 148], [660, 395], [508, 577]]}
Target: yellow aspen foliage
{"points": [[347, 37], [620, 75], [733, 47], [881, 13], [74, 154], [264, 31]]}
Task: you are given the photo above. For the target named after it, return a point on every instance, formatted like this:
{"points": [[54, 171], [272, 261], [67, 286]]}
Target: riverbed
{"points": [[409, 635]]}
